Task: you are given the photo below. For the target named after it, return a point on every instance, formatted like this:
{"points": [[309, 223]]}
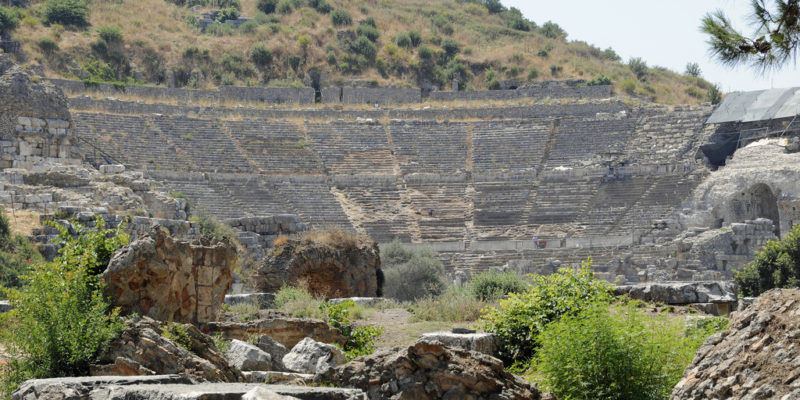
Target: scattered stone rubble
{"points": [[171, 280], [341, 269], [142, 350], [718, 297], [247, 357], [283, 329], [485, 343], [757, 357], [311, 357], [430, 370]]}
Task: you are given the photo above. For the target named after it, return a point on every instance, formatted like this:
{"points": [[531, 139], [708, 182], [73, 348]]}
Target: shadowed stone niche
{"points": [[756, 202]]}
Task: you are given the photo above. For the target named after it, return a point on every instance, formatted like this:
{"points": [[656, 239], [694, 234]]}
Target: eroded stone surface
{"points": [[757, 357], [481, 342], [169, 279], [285, 330], [311, 357], [430, 370], [247, 357]]}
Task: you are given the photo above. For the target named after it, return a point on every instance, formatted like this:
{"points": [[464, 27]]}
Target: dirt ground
{"points": [[399, 331]]}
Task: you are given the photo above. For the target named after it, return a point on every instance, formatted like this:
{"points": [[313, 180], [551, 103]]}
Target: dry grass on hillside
{"points": [[334, 236], [486, 43], [23, 221]]}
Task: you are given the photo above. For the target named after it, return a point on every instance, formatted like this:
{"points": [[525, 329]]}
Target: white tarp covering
{"points": [[761, 105]]}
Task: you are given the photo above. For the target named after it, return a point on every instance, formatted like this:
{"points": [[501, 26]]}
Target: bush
{"points": [[638, 67], [611, 55], [266, 6], [692, 69], [111, 34], [553, 31], [628, 86], [8, 19], [16, 256], [364, 47], [492, 285], [411, 274], [520, 318], [416, 38], [360, 340], [532, 74], [66, 12], [340, 17], [298, 302], [179, 334], [555, 69], [451, 47], [261, 55], [714, 95], [493, 6], [368, 31], [777, 265], [456, 304], [425, 53], [442, 24], [492, 82], [211, 227], [60, 320], [599, 80], [227, 14], [284, 7], [403, 40], [620, 354], [322, 6]]}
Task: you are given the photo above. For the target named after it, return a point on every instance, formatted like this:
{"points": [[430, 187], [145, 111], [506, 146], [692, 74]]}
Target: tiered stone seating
{"points": [[443, 209], [666, 137], [380, 206], [276, 147], [208, 149], [562, 201], [664, 195], [255, 198], [133, 140], [509, 145], [612, 200], [346, 148], [209, 198], [315, 204], [429, 146], [501, 203], [580, 141]]}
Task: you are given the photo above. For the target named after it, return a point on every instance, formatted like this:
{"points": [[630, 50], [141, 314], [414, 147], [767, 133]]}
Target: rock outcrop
{"points": [[285, 330], [311, 357], [169, 279], [757, 357], [481, 342], [430, 370], [142, 350], [167, 387], [348, 267], [717, 297], [246, 357]]}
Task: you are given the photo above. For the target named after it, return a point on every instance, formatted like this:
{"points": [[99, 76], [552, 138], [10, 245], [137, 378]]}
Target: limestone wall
{"points": [[381, 96], [541, 92]]}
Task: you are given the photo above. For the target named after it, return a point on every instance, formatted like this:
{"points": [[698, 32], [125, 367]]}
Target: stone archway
{"points": [[758, 201]]}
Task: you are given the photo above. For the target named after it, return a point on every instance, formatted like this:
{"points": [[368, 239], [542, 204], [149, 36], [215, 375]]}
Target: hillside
{"points": [[405, 43]]}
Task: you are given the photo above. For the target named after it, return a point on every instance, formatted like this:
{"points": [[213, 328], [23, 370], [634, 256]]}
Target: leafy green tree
{"points": [[267, 6], [776, 266], [692, 69], [714, 94], [492, 285], [774, 41], [553, 31], [66, 12], [341, 17], [61, 320], [411, 273], [226, 14], [638, 67], [618, 354], [518, 320], [494, 6], [8, 19]]}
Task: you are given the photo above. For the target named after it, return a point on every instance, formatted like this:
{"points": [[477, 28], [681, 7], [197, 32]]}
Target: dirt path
{"points": [[399, 331]]}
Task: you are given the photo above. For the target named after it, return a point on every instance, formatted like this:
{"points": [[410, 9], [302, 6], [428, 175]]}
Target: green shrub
{"points": [[322, 6], [60, 320], [610, 54], [364, 47], [360, 340], [555, 69], [456, 304], [8, 19], [266, 6], [298, 302], [403, 40], [425, 53], [552, 30], [244, 312], [66, 12], [692, 69], [416, 38], [714, 95], [532, 74], [226, 14], [411, 274], [261, 55], [179, 334], [628, 86], [16, 256], [284, 7], [492, 285], [620, 354], [442, 24], [47, 45], [111, 34], [519, 319], [340, 17], [493, 6], [450, 47], [599, 80], [777, 265], [211, 227], [368, 31], [638, 67]]}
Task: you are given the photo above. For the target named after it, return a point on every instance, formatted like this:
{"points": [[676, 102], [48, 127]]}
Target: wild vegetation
{"points": [[777, 265], [16, 256], [478, 43], [61, 320]]}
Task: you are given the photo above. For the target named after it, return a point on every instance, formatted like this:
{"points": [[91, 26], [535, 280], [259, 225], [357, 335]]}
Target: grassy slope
{"points": [[155, 27]]}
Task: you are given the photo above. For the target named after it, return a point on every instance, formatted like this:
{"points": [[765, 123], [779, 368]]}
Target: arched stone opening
{"points": [[758, 201]]}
